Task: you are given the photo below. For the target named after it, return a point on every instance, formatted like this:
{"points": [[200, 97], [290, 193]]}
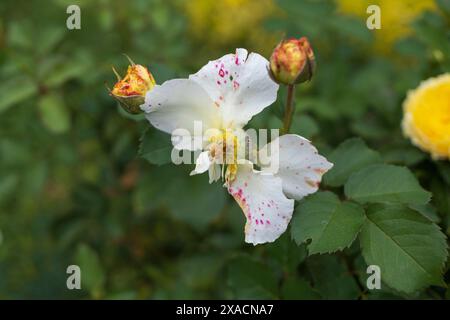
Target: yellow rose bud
{"points": [[426, 116], [292, 61], [130, 91]]}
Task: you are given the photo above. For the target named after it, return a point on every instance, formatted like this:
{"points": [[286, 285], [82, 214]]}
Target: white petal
{"points": [[202, 163], [214, 173], [178, 104], [299, 165], [184, 140], [239, 84], [266, 208]]}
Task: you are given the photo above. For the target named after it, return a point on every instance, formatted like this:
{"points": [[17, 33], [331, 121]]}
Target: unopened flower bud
{"points": [[292, 62], [130, 91]]}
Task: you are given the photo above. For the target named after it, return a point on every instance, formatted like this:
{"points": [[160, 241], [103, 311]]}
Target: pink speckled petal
{"points": [[300, 166], [266, 208], [239, 84]]}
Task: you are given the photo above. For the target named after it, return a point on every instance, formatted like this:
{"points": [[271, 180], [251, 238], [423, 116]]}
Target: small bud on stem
{"points": [[130, 91], [292, 62]]}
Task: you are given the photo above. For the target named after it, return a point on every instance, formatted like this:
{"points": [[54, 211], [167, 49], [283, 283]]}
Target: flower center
{"points": [[223, 148]]}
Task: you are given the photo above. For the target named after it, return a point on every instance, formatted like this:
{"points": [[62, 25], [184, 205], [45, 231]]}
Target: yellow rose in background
{"points": [[396, 17], [221, 23], [426, 119]]}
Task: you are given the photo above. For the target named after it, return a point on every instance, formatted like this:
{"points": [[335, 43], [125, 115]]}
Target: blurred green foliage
{"points": [[73, 189]]}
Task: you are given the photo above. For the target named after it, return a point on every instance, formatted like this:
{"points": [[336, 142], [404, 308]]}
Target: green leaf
{"points": [[441, 196], [349, 156], [195, 201], [304, 125], [298, 289], [350, 27], [444, 170], [320, 107], [156, 147], [427, 211], [407, 156], [331, 224], [135, 117], [385, 183], [48, 38], [92, 274], [19, 35], [444, 5], [15, 91], [125, 295], [409, 249], [54, 113], [250, 279], [331, 278], [369, 128], [191, 199], [286, 253], [8, 184], [64, 72]]}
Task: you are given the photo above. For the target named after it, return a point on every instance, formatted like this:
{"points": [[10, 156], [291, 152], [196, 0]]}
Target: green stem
{"points": [[289, 110]]}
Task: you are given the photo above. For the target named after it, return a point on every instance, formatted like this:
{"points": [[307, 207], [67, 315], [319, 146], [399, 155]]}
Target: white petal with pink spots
{"points": [[239, 84], [300, 166], [266, 208]]}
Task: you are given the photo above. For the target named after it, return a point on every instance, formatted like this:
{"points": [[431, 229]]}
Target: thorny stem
{"points": [[289, 110]]}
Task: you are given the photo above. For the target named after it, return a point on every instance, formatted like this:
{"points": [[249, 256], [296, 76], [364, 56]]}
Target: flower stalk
{"points": [[289, 109]]}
